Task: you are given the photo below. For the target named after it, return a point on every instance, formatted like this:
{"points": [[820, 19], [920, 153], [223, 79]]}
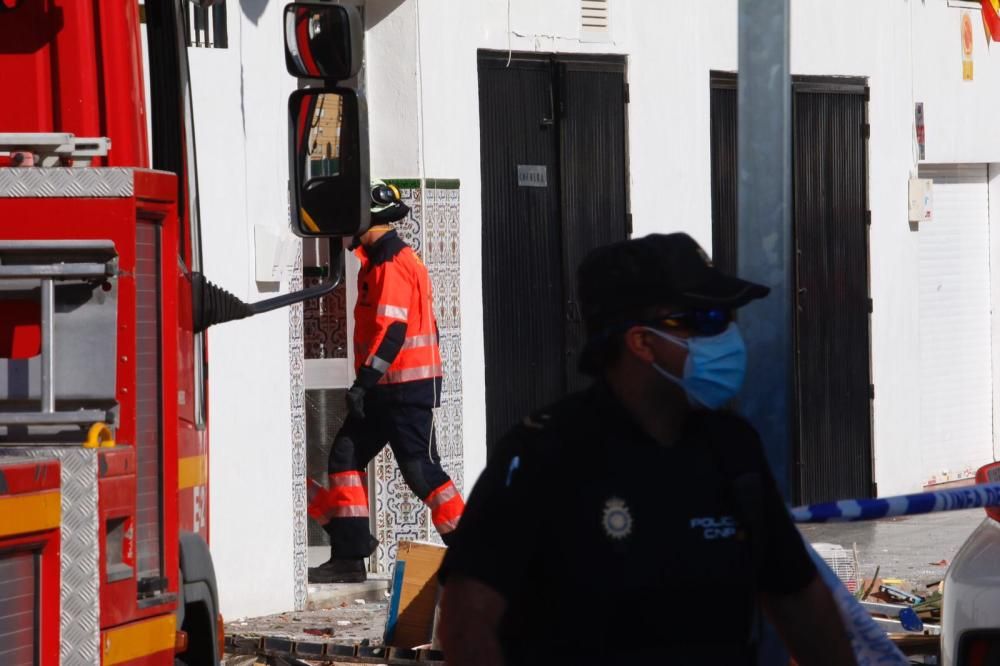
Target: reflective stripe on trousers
{"points": [[446, 507], [346, 498]]}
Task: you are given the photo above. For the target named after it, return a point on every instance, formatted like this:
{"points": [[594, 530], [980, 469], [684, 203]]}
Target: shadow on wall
{"points": [[254, 9], [374, 10]]}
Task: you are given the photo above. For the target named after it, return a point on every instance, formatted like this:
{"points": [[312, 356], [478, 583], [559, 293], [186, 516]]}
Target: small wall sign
{"points": [[532, 175]]}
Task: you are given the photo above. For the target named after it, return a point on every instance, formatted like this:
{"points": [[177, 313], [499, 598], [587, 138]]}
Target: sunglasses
{"points": [[700, 322]]}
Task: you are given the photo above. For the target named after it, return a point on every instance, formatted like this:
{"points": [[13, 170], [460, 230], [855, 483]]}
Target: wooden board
{"points": [[414, 594]]}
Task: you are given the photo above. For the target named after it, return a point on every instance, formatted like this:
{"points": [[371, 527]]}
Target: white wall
{"points": [[672, 47], [240, 96], [423, 94], [391, 66]]}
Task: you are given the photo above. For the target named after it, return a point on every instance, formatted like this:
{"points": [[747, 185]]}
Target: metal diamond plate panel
{"points": [[80, 613], [63, 182]]}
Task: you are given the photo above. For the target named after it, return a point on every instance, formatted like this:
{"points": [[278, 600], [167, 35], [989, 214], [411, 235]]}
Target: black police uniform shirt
{"points": [[608, 546]]}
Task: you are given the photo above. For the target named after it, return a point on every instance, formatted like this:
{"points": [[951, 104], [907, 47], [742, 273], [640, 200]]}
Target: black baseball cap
{"points": [[621, 280]]}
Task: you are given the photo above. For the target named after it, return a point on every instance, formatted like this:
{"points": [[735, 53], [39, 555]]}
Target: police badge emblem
{"points": [[617, 519]]}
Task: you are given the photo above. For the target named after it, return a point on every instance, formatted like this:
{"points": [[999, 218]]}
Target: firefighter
{"points": [[398, 367], [637, 521]]}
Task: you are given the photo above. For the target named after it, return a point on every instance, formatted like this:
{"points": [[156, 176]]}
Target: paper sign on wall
{"points": [[966, 46], [921, 206]]}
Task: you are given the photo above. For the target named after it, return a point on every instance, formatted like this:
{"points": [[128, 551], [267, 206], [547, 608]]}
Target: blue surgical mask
{"points": [[715, 366]]}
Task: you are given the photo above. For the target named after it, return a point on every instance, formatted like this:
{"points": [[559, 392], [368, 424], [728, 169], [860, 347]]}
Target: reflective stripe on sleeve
{"points": [[378, 363], [393, 311]]}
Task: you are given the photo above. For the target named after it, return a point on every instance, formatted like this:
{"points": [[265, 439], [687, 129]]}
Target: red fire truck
{"points": [[104, 456]]}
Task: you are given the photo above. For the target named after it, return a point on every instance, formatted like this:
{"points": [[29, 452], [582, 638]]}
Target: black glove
{"points": [[356, 401]]}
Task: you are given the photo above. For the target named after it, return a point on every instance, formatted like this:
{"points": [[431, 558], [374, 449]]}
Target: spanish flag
{"points": [[991, 18]]}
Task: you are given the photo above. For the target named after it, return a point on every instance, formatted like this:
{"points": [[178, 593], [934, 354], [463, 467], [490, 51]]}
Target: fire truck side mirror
{"points": [[329, 162], [323, 41]]}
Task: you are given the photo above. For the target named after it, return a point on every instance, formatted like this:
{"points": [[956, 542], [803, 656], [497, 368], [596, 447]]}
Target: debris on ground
{"points": [[399, 631], [361, 623], [909, 613], [346, 632]]}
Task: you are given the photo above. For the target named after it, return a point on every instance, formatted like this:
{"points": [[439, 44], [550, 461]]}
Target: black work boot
{"points": [[342, 569], [339, 571]]}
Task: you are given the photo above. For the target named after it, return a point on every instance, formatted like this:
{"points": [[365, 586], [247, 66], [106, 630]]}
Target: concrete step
{"points": [[373, 590]]}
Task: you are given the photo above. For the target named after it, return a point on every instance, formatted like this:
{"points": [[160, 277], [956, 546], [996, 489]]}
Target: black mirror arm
{"points": [[213, 305], [318, 291]]}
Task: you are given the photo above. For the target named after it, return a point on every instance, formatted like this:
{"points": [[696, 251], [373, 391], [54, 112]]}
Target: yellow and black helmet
{"points": [[387, 204]]}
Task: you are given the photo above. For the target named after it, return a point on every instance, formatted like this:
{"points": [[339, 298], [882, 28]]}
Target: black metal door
{"points": [[594, 180], [724, 175], [832, 323], [522, 241], [832, 413], [552, 139]]}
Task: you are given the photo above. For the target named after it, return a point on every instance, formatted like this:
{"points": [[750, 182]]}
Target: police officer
{"points": [[636, 522], [398, 366]]}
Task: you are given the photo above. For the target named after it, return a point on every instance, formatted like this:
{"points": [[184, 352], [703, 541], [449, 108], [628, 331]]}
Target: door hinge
{"points": [[871, 306], [871, 391], [627, 93], [866, 131], [628, 224], [868, 94], [868, 218], [874, 489]]}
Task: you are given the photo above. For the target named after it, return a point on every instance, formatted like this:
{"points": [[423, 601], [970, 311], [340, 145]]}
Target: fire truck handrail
{"points": [[76, 417], [53, 147], [57, 271], [69, 244], [65, 267]]}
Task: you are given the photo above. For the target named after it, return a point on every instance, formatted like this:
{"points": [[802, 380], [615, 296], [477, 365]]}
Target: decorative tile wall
{"points": [[325, 321], [441, 235], [432, 229], [296, 358]]}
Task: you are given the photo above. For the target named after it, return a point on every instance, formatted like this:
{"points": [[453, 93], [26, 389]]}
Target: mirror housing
{"points": [[330, 187], [323, 41]]}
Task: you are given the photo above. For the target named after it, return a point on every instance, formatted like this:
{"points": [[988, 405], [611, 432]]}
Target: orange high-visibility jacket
{"points": [[395, 334]]}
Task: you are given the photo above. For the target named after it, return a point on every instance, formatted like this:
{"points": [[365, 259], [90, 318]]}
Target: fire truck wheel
{"points": [[198, 612], [199, 624]]}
